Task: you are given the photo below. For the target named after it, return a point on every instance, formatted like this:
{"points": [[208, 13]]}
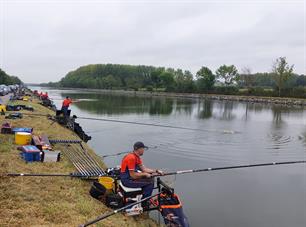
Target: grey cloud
{"points": [[44, 40]]}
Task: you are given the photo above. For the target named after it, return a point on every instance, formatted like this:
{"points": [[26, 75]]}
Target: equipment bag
{"points": [[172, 211], [97, 190], [114, 201]]}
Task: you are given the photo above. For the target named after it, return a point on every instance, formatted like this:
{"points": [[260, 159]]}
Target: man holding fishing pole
{"points": [[134, 174], [65, 105]]}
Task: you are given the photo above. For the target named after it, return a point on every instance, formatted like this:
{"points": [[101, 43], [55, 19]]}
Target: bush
{"points": [[227, 90], [299, 92], [149, 88], [258, 91], [296, 92]]}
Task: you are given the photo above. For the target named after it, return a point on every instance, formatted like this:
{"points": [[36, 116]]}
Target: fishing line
{"points": [[143, 123], [120, 153]]}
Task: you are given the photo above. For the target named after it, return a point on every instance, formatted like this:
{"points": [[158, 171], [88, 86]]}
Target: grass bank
{"points": [[48, 201]]}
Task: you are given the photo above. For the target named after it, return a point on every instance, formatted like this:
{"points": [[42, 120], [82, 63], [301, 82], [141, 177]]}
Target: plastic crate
{"points": [[50, 156], [31, 156]]}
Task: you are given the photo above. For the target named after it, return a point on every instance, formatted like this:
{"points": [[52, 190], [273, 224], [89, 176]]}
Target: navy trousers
{"points": [[65, 110]]}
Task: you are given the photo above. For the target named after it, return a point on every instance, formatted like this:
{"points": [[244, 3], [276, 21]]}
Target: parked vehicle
{"points": [[4, 90]]}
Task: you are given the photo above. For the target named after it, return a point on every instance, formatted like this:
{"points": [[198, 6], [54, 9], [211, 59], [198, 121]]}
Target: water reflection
{"points": [[206, 111], [121, 104], [277, 117], [118, 104], [184, 106], [226, 110]]}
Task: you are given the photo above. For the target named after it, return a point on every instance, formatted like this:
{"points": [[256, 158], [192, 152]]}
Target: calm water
{"points": [[233, 134]]}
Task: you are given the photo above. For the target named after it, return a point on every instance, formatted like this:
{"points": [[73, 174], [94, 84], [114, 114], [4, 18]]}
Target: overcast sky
{"points": [[41, 41]]}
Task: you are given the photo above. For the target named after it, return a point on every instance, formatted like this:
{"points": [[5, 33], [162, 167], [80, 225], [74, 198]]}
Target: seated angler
{"points": [[134, 174]]}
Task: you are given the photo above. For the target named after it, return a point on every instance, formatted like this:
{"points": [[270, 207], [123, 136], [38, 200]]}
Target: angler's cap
{"points": [[138, 145]]}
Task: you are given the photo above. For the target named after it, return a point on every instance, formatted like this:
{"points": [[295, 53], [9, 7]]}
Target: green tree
{"points": [[246, 78], [227, 74], [184, 81], [205, 79], [155, 77], [109, 82], [167, 80], [282, 71], [7, 80]]}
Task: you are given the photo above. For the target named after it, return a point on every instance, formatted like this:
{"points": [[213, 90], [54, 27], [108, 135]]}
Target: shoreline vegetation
{"points": [[236, 98], [279, 82], [7, 79], [49, 201]]}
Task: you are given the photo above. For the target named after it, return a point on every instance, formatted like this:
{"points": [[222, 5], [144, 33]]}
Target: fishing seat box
{"points": [[6, 128], [129, 192], [30, 153], [28, 130], [50, 156], [42, 142]]}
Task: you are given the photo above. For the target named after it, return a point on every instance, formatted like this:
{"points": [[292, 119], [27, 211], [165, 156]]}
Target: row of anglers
{"points": [[63, 115], [46, 101]]}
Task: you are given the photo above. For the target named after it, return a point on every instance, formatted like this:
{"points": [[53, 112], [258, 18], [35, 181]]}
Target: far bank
{"points": [[250, 99]]}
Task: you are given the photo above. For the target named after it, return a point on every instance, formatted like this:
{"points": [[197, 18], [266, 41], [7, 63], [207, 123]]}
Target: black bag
{"points": [[114, 201], [97, 190]]}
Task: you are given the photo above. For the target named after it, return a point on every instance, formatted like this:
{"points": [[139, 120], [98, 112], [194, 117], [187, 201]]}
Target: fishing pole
{"points": [[120, 153], [60, 141], [117, 210], [49, 175], [229, 167], [33, 114]]}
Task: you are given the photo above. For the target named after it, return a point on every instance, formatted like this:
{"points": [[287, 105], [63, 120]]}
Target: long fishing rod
{"points": [[33, 114], [49, 175], [117, 211], [230, 167], [165, 174], [120, 153]]}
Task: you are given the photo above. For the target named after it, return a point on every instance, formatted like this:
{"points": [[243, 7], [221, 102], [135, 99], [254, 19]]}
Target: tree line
{"points": [[8, 80], [280, 81]]}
